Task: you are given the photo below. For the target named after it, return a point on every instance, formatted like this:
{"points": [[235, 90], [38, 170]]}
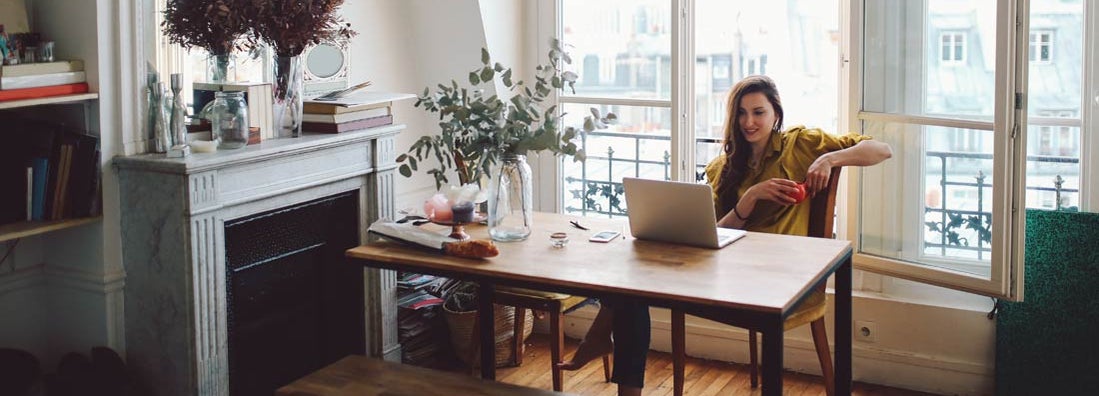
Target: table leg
{"points": [[486, 322], [772, 357], [843, 328]]}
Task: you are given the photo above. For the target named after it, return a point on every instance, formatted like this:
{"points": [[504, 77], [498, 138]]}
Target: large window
{"points": [[942, 210], [984, 120], [795, 42]]}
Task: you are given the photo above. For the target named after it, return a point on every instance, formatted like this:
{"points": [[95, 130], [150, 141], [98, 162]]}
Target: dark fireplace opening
{"points": [[294, 305]]}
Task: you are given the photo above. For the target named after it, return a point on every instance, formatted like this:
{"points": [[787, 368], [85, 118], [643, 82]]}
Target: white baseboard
{"points": [[901, 368]]}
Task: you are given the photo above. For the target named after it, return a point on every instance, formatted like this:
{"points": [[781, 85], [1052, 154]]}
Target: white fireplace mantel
{"points": [[173, 215]]}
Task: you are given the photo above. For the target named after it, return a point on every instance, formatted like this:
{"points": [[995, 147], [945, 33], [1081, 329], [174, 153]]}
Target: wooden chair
{"points": [[555, 305], [821, 219]]}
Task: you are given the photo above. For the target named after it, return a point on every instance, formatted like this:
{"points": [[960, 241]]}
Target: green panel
{"points": [[1049, 343]]}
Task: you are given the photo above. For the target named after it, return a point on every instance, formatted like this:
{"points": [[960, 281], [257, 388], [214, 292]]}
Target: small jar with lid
{"points": [[229, 119]]}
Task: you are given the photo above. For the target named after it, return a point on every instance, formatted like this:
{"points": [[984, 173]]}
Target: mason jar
{"points": [[229, 119]]}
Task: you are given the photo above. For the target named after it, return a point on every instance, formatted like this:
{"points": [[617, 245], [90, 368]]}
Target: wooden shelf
{"points": [[12, 104], [25, 229]]}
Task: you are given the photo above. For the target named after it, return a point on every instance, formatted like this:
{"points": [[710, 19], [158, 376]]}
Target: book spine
{"points": [[30, 194], [30, 69], [41, 80], [38, 198], [42, 92], [346, 117], [347, 126]]}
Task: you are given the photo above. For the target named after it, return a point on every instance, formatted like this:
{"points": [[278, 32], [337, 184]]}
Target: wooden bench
{"points": [[363, 376]]}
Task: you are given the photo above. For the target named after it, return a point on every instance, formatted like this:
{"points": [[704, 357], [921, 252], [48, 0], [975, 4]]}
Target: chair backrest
{"points": [[822, 208]]}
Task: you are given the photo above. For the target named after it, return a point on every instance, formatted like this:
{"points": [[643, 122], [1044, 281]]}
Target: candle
{"points": [[463, 212], [203, 146], [440, 208]]}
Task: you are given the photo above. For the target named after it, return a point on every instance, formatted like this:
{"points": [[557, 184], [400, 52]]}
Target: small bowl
{"points": [[559, 239]]}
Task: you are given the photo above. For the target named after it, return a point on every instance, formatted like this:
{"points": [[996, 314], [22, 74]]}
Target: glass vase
{"points": [[510, 200], [288, 95], [220, 68], [229, 119]]}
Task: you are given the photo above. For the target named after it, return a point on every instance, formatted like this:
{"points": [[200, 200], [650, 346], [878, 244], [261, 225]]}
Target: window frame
{"points": [[1012, 56], [957, 46], [1035, 46], [1008, 219]]}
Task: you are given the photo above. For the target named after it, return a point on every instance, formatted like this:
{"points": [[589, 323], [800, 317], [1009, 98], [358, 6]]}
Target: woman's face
{"points": [[756, 118]]}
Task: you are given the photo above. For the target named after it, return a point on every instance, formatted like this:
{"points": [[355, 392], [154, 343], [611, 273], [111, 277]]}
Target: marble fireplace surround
{"points": [[173, 243]]}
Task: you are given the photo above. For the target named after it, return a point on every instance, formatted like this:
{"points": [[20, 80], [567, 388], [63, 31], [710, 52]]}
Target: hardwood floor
{"points": [[704, 377]]}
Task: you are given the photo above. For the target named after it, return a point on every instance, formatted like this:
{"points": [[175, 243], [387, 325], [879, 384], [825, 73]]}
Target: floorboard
{"points": [[703, 377]]}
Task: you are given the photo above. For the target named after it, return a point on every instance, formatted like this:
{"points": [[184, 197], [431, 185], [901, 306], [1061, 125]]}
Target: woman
{"points": [[753, 183], [755, 177]]}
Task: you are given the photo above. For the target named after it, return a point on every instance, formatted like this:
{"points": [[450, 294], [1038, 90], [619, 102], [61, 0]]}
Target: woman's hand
{"points": [[816, 179], [776, 190]]}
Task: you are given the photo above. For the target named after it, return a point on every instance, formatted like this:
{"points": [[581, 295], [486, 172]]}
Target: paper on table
{"points": [[408, 233]]}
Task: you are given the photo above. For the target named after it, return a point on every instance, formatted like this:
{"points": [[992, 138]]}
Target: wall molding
{"points": [[22, 278]]}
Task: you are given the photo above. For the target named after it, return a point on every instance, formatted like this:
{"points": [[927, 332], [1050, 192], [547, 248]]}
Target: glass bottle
{"points": [[229, 119], [510, 200]]}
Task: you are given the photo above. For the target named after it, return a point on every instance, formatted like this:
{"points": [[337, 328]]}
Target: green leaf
{"points": [[556, 82], [486, 74], [498, 67], [405, 171], [412, 163], [484, 56], [473, 79]]}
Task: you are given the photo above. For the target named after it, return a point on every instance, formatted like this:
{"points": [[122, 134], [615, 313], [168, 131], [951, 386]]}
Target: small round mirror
{"points": [[324, 61]]}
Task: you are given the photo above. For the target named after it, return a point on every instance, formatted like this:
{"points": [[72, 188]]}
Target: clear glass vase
{"points": [[510, 200], [220, 68], [229, 119], [288, 95]]}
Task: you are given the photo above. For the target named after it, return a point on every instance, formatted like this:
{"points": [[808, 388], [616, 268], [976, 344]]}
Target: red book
{"points": [[41, 92], [320, 127]]}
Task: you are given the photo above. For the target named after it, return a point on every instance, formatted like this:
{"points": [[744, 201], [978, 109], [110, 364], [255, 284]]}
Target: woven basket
{"points": [[461, 333]]}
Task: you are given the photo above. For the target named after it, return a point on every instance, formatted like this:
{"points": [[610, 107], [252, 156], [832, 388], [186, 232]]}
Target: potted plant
{"points": [[289, 27], [481, 133], [213, 25]]}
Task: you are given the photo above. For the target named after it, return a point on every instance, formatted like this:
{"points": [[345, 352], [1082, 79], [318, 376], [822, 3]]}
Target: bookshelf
{"points": [[14, 104], [25, 229]]}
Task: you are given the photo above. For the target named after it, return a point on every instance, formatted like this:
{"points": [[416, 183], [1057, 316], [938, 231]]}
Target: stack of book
{"points": [[420, 328], [39, 80], [353, 112]]}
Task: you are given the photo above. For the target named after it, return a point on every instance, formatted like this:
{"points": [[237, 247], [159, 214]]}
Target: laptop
{"points": [[675, 212]]}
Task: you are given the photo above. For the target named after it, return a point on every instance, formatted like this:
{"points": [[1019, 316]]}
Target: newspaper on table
{"points": [[409, 233]]}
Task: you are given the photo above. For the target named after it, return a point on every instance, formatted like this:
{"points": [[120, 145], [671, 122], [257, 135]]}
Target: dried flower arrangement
{"points": [[290, 26], [214, 25]]}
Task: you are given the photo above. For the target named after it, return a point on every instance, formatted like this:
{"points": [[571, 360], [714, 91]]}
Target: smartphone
{"points": [[604, 236]]}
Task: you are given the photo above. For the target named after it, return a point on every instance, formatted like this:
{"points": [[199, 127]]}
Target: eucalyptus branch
{"points": [[476, 130]]}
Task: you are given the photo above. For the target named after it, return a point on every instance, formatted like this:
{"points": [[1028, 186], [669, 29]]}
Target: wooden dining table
{"points": [[756, 282]]}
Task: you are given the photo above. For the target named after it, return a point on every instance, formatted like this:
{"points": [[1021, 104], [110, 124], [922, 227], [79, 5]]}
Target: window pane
{"points": [[639, 146], [903, 73], [1054, 97], [794, 42], [939, 217], [620, 48]]}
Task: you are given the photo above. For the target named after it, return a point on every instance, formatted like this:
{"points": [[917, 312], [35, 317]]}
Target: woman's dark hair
{"points": [[736, 148]]}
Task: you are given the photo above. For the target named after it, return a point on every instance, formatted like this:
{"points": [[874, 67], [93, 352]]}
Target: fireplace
{"points": [[293, 304], [235, 278]]}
